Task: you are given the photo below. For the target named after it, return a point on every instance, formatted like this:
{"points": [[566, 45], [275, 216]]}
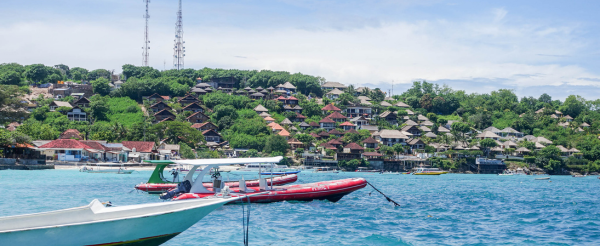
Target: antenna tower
{"points": [[179, 49], [145, 54]]}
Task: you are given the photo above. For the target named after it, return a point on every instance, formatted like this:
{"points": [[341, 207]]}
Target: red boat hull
{"points": [[160, 188], [330, 190]]}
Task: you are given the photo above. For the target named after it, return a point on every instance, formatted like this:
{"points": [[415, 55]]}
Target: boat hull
{"points": [[329, 190], [160, 188], [430, 173], [152, 228]]}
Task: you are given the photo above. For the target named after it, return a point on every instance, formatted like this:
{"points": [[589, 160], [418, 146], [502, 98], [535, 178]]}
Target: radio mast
{"points": [[179, 49], [145, 54]]}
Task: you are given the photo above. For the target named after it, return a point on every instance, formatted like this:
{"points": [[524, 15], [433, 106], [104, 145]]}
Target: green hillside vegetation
{"points": [[116, 115]]}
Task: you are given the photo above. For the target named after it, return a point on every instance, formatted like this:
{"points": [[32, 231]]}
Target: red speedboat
{"points": [[331, 190], [157, 188]]}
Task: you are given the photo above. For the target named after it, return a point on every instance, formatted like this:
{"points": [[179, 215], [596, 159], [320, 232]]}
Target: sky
{"points": [[532, 47]]}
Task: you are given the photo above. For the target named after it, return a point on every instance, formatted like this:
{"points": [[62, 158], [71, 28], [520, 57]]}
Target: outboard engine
{"points": [[183, 187]]}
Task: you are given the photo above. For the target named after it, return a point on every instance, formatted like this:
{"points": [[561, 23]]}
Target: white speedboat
{"points": [[110, 169], [506, 173], [143, 224], [324, 170], [97, 224], [265, 167]]}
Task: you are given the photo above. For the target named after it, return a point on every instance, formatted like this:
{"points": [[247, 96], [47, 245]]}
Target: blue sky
{"points": [[529, 46]]}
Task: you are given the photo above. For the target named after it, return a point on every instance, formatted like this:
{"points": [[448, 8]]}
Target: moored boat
{"points": [[157, 183], [280, 173], [330, 190], [428, 171], [97, 224], [327, 190], [324, 170], [120, 170], [543, 178]]}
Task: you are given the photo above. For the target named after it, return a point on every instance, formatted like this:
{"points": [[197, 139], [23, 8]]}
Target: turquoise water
{"points": [[453, 209]]}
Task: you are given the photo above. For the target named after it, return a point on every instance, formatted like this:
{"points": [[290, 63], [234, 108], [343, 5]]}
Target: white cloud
{"points": [[499, 14], [519, 55]]}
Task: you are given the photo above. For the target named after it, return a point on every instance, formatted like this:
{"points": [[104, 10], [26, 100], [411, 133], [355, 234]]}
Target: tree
{"points": [[186, 152], [36, 72], [398, 148], [549, 158], [488, 143], [250, 153], [573, 106], [276, 143], [11, 107], [306, 139], [101, 86], [386, 150], [459, 129], [99, 107], [99, 73], [10, 78]]}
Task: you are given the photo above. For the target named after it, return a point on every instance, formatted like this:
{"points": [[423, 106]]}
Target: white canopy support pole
{"points": [[198, 187], [190, 175]]}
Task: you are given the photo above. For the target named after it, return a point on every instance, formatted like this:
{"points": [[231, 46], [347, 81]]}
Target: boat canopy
{"points": [[197, 186], [229, 161]]}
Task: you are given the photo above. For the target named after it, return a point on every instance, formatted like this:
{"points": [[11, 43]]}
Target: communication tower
{"points": [[145, 53], [179, 49]]}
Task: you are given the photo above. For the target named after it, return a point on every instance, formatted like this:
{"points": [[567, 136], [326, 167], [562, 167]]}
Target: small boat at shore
{"points": [[330, 190], [428, 171], [390, 173], [100, 224], [97, 169], [157, 183], [324, 170], [280, 173]]}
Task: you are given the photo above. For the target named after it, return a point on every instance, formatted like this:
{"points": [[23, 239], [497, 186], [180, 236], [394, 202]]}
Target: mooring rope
{"points": [[245, 221], [386, 197]]}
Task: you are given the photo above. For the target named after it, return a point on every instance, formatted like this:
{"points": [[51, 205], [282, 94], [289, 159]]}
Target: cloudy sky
{"points": [[529, 46]]}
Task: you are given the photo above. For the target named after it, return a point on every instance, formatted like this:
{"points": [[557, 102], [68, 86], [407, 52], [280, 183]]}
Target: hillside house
{"points": [[204, 126], [164, 114], [159, 106], [212, 136], [193, 107], [391, 137], [389, 117], [57, 104], [327, 124], [82, 102], [197, 117], [333, 85], [76, 114], [356, 110]]}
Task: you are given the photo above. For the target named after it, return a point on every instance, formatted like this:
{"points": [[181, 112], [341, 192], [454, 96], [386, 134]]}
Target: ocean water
{"points": [[452, 209]]}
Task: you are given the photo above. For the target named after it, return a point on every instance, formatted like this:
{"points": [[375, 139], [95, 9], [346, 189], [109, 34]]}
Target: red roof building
{"points": [[351, 131], [71, 134], [204, 126], [347, 126], [330, 107], [65, 144], [313, 124], [140, 146], [326, 120], [352, 148]]}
